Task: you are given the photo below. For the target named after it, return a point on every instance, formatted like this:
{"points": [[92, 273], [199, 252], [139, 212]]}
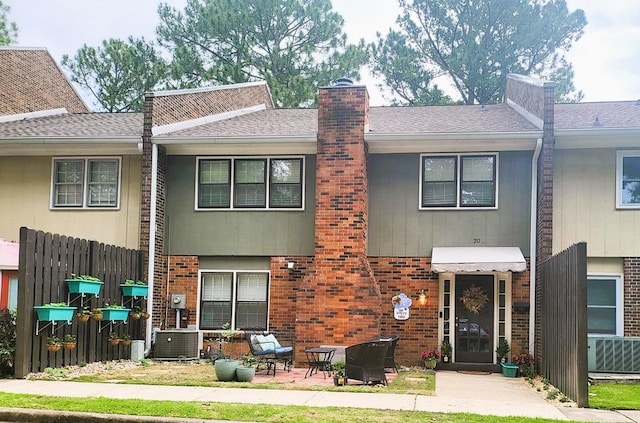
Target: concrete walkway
{"points": [[456, 392]]}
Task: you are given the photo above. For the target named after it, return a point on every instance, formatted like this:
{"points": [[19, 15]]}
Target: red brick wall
{"points": [[631, 296], [339, 302], [398, 275], [520, 285], [394, 275]]}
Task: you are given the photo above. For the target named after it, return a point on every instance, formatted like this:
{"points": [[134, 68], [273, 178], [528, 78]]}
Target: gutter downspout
{"points": [[533, 245], [152, 240]]}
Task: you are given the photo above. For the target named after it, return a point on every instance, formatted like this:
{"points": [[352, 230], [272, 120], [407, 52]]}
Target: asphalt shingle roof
{"points": [[91, 125], [304, 122], [614, 114]]}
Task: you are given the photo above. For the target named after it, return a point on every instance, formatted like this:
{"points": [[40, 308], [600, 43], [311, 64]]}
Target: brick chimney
{"points": [[339, 302]]}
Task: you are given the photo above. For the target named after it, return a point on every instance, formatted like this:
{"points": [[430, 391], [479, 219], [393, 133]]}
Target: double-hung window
{"points": [[628, 179], [604, 305], [250, 183], [235, 297], [458, 181], [85, 183]]}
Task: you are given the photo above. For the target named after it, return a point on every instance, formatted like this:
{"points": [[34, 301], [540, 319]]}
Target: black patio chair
{"points": [[366, 361]]}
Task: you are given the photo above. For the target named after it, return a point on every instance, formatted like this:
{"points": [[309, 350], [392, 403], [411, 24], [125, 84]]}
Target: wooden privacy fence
{"points": [[564, 323], [46, 260]]}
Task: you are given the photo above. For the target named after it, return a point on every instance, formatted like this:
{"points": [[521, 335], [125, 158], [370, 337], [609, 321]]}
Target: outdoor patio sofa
{"points": [[366, 361], [268, 350]]}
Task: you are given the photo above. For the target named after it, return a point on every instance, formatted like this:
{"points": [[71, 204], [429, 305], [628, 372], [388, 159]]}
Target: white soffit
{"points": [[477, 259]]}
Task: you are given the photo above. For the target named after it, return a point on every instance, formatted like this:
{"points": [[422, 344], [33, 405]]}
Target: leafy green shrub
{"points": [[7, 342]]}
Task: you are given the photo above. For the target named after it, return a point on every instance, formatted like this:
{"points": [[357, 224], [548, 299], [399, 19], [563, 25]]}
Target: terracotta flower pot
{"points": [[69, 345]]}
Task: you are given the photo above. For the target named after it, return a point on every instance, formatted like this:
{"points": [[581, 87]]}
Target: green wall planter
{"points": [[49, 313], [115, 313], [129, 290], [509, 370], [81, 286]]}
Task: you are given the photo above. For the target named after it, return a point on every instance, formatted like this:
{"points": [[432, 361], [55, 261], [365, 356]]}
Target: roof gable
{"points": [[31, 80]]}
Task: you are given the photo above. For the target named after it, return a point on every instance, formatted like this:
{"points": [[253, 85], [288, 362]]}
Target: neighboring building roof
{"points": [[85, 125], [31, 80], [604, 115]]}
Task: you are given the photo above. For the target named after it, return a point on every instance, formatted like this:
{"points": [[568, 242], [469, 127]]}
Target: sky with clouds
{"points": [[605, 59]]}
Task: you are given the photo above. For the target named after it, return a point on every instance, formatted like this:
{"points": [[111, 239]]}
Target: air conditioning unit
{"points": [[177, 344], [614, 354]]}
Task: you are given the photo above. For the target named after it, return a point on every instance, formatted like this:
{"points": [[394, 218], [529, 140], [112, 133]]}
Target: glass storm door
{"points": [[474, 318]]}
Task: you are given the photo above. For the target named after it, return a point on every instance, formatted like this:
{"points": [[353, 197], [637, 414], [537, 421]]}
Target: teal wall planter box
{"points": [[509, 370], [54, 313], [81, 286], [129, 290], [115, 313]]}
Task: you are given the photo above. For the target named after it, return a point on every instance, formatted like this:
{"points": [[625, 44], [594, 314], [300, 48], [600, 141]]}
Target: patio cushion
{"points": [[268, 345], [256, 346]]}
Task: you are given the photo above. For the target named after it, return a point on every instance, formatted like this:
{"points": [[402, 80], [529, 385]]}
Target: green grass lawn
{"points": [[615, 396], [242, 412]]}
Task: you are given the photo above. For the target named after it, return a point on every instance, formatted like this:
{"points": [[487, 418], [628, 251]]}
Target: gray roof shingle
{"points": [[614, 114], [304, 122], [89, 125]]}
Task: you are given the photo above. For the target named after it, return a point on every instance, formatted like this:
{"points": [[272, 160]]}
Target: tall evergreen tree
{"points": [[8, 30], [118, 73], [476, 43], [293, 45]]}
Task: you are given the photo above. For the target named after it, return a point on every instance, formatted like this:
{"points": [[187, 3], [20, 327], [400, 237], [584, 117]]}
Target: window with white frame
{"points": [[250, 183], [85, 183], [604, 305], [458, 181], [628, 179], [235, 297]]}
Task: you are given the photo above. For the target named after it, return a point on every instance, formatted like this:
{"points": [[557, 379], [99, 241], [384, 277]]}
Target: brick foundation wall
{"points": [[631, 296]]}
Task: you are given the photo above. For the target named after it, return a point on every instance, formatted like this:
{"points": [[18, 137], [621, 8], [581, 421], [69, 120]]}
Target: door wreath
{"points": [[474, 299]]}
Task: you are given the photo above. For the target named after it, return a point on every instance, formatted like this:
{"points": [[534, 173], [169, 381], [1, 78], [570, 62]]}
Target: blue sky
{"points": [[605, 59]]}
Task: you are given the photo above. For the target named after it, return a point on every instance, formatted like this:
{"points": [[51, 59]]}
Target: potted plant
{"points": [[430, 358], [84, 284], [69, 341], [131, 288], [55, 311], [54, 343], [114, 312], [446, 351], [126, 339], [96, 314], [113, 338], [225, 367], [83, 315], [340, 373], [247, 370], [502, 350]]}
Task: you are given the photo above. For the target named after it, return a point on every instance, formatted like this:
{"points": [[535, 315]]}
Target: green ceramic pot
{"points": [[225, 369]]}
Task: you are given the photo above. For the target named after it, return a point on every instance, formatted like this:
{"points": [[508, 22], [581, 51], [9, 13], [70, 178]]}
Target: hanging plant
{"points": [[474, 299]]}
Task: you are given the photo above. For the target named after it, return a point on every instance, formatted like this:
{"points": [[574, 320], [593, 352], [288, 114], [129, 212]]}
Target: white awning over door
{"points": [[477, 259]]}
